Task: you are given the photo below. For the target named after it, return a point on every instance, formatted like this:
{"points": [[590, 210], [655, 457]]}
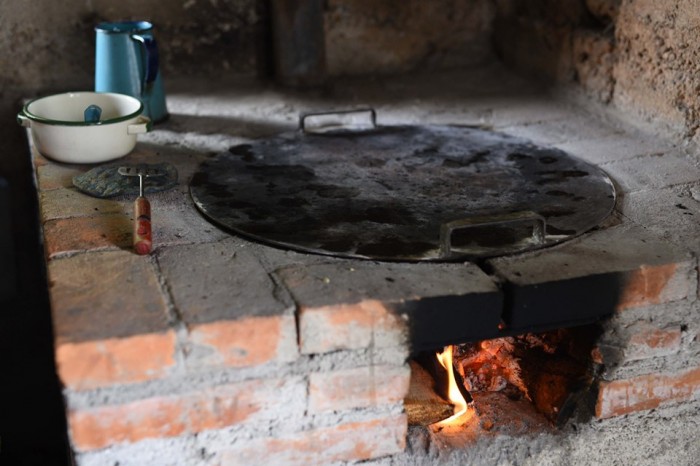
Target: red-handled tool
{"points": [[143, 240]]}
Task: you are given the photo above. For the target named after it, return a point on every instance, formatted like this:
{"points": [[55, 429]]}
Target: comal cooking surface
{"points": [[385, 193]]}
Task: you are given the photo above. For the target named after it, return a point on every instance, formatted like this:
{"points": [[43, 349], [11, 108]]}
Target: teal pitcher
{"points": [[126, 62]]}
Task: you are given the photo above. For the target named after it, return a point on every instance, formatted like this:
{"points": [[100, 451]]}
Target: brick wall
{"points": [[215, 349]]}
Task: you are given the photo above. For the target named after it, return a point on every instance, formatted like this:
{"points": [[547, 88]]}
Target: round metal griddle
{"points": [[410, 193]]}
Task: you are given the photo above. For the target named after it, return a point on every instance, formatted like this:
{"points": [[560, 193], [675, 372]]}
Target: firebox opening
{"points": [[513, 385]]}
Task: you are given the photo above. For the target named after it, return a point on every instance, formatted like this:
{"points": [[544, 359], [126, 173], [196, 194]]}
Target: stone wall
{"points": [[389, 36], [50, 45], [639, 55]]}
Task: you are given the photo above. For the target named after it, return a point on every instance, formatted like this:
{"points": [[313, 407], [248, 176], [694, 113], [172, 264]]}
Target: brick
{"points": [[100, 295], [87, 233], [175, 221], [69, 202], [647, 341], [595, 275], [110, 319], [671, 213], [563, 130], [54, 175], [646, 392], [353, 305], [38, 160], [243, 342], [174, 415], [92, 364], [652, 172], [617, 249], [614, 148], [358, 388], [220, 281], [235, 314], [353, 441], [367, 324], [657, 284]]}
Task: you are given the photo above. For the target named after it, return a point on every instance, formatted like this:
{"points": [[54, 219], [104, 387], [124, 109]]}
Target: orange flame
{"points": [[453, 392]]}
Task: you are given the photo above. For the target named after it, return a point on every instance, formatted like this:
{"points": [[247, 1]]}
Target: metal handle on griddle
{"points": [[539, 226], [304, 116]]}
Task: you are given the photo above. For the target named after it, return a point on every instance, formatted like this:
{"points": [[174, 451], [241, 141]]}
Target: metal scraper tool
{"points": [[142, 209]]}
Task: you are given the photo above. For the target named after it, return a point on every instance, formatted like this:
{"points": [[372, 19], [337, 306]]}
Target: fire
{"points": [[454, 394]]}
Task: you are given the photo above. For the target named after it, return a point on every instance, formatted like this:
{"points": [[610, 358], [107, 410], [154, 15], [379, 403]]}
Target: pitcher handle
{"points": [[150, 48]]}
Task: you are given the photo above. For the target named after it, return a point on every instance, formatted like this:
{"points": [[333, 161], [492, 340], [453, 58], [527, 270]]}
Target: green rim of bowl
{"points": [[50, 121]]}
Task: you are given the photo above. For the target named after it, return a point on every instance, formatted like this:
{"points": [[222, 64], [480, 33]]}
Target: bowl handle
{"points": [[143, 125], [23, 119]]}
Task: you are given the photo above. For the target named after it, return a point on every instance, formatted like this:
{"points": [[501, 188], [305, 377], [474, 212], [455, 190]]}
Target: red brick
{"points": [[170, 416], [648, 341], [87, 233], [365, 324], [92, 364], [646, 392], [69, 202], [110, 319], [246, 342], [354, 441], [55, 176], [358, 388], [655, 285]]}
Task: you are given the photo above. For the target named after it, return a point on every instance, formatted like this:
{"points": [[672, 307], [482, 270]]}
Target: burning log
{"points": [[545, 369], [423, 404]]}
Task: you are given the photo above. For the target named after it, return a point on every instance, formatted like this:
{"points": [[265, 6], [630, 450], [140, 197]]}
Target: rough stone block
{"points": [[235, 313], [358, 388], [165, 416], [646, 392], [593, 56], [110, 320], [355, 441]]}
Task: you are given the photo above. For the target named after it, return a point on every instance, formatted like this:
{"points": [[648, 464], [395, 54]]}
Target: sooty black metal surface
{"points": [[402, 193]]}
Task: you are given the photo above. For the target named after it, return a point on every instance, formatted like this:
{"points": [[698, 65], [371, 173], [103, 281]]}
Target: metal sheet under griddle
{"points": [[386, 193]]}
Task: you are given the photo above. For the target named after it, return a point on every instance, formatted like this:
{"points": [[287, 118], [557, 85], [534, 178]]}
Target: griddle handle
{"points": [[372, 116], [539, 227]]}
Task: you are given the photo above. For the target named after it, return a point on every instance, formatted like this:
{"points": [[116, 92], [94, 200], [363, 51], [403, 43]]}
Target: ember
{"points": [[516, 384]]}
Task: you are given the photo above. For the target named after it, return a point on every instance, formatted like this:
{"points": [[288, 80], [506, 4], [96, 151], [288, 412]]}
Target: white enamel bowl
{"points": [[60, 131]]}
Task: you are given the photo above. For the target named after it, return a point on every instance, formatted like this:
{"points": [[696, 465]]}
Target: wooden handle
{"points": [[142, 226]]}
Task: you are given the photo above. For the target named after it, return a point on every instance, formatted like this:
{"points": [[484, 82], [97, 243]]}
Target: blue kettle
{"points": [[126, 62]]}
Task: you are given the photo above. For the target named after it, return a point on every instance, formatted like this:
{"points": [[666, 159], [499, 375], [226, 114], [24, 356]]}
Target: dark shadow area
{"points": [[32, 418]]}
